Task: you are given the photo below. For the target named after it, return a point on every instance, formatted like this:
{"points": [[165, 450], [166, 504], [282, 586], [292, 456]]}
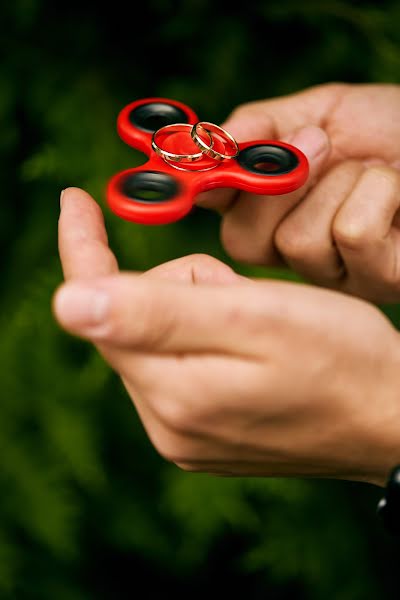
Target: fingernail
{"points": [[80, 306], [61, 195], [312, 141]]}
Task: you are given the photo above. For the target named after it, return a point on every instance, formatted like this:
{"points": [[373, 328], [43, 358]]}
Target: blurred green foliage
{"points": [[88, 508]]}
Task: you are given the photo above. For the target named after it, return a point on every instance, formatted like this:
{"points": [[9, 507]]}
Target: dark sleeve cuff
{"points": [[388, 508]]}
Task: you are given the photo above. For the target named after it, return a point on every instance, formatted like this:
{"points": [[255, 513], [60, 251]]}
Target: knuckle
{"points": [[384, 172], [353, 233], [349, 234], [249, 319], [205, 268], [203, 262], [293, 242]]}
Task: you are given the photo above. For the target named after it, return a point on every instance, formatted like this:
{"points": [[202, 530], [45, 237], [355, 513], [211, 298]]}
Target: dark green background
{"points": [[88, 509]]}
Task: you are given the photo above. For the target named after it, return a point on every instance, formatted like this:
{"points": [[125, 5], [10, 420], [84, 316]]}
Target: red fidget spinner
{"points": [[186, 157]]}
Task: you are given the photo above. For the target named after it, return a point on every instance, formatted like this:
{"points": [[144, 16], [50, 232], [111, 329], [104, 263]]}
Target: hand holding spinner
{"points": [[186, 157]]}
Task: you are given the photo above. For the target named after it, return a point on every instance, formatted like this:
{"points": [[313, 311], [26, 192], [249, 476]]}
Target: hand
{"points": [[234, 376], [341, 230]]}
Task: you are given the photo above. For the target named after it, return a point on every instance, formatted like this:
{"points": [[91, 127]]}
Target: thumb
{"points": [[315, 144]]}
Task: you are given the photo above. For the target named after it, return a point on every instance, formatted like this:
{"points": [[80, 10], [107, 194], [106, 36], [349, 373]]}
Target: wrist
{"points": [[383, 428]]}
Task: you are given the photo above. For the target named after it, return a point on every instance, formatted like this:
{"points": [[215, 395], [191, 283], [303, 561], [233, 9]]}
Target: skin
{"points": [[341, 230], [235, 376]]}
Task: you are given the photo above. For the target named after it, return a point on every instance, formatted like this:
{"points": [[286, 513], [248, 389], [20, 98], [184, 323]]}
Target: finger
{"points": [[277, 118], [368, 237], [143, 315], [82, 237], [248, 227], [196, 269], [304, 237]]}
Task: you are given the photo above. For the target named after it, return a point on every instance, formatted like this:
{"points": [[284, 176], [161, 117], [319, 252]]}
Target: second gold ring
{"points": [[228, 141]]}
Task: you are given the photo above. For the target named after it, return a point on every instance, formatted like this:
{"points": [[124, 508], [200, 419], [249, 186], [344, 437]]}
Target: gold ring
{"points": [[171, 163], [211, 128], [169, 130]]}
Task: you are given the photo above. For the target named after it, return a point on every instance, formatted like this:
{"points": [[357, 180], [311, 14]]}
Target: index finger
{"points": [[82, 237]]}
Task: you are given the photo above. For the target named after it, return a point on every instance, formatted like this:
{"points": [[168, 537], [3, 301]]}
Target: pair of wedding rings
{"points": [[212, 141]]}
